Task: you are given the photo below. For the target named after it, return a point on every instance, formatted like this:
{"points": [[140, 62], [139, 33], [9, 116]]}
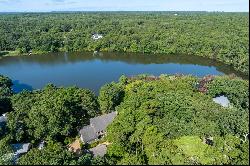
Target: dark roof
{"points": [[100, 150], [97, 126], [88, 134], [100, 123]]}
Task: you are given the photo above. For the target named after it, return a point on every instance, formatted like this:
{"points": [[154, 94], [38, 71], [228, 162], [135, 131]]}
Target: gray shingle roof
{"points": [[100, 123], [88, 134], [97, 127], [100, 150]]}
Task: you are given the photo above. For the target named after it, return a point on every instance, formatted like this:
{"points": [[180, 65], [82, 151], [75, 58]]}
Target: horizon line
{"points": [[210, 11]]}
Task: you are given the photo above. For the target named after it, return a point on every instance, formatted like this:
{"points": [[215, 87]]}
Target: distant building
{"points": [[176, 14], [97, 127], [97, 36], [222, 100]]}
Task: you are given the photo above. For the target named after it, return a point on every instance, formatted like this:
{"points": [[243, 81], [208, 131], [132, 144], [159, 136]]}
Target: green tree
{"points": [[52, 154], [53, 113], [111, 95]]}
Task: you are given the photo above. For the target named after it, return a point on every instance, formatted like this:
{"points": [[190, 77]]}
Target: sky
{"points": [[123, 5]]}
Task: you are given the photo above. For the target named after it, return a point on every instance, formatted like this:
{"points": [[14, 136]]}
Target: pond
{"points": [[88, 70]]}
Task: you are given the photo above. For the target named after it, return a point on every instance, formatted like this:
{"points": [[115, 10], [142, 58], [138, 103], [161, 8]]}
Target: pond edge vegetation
{"points": [[171, 117]]}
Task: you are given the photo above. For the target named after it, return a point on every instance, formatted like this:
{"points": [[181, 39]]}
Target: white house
{"points": [[222, 100], [97, 36]]}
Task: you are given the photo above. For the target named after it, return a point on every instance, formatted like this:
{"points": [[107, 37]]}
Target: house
{"points": [[3, 119], [21, 148], [222, 100], [97, 36], [99, 151], [97, 127]]}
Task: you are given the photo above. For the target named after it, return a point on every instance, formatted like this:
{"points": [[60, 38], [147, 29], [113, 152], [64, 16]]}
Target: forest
{"points": [[216, 35], [166, 120]]}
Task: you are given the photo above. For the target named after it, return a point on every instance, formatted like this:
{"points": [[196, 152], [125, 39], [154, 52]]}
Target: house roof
{"points": [[97, 125], [21, 148], [100, 123], [3, 119], [222, 100], [97, 36], [99, 150], [88, 134]]}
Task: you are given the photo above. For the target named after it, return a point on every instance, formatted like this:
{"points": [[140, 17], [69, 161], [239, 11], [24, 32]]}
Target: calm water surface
{"points": [[88, 70]]}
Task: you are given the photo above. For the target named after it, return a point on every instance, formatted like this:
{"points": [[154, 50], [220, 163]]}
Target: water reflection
{"points": [[18, 87], [88, 70]]}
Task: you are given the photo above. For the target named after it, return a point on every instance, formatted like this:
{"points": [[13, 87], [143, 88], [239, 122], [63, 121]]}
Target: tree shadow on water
{"points": [[18, 87]]}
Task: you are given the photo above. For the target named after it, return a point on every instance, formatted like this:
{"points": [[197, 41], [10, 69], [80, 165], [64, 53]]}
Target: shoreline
{"points": [[16, 54]]}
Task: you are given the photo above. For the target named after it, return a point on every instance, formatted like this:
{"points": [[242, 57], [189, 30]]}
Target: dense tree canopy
{"points": [[6, 158], [51, 113], [235, 89], [110, 96], [53, 154], [168, 121], [220, 36], [5, 93], [161, 120], [56, 154]]}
